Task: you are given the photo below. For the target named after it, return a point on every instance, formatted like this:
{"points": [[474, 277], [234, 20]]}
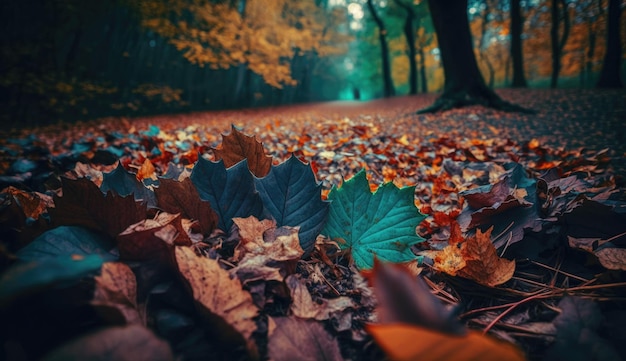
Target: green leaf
{"points": [[292, 196], [381, 224]]}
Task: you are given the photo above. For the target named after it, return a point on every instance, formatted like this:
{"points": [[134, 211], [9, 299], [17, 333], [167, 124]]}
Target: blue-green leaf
{"points": [[382, 224], [231, 191], [125, 183], [27, 278], [292, 196]]}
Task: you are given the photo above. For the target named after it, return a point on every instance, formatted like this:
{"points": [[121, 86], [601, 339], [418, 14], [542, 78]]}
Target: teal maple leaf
{"points": [[382, 224]]}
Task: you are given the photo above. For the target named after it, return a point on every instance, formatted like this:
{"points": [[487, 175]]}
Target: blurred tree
{"points": [[388, 88], [610, 75], [517, 56], [559, 13], [464, 84], [409, 33]]}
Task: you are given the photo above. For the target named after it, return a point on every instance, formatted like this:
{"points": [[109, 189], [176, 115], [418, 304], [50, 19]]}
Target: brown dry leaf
{"points": [[152, 238], [237, 146], [408, 342], [612, 258], [223, 298], [116, 288], [262, 238], [182, 197], [33, 204], [482, 262], [450, 259], [303, 305], [298, 339], [83, 204]]}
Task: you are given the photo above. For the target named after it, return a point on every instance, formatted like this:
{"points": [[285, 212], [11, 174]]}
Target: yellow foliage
{"points": [[265, 37]]}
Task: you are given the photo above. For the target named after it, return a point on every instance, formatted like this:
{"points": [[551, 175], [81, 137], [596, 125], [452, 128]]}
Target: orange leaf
{"points": [[408, 342], [146, 171], [237, 146]]}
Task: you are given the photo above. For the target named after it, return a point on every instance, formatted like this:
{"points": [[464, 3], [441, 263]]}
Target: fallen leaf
{"points": [[293, 197], [475, 258], [262, 238], [182, 197], [116, 289], [126, 183], [146, 171], [237, 146], [303, 306], [577, 337], [27, 278], [152, 238], [66, 240], [132, 342], [298, 339], [380, 225], [482, 263], [612, 258], [231, 191], [230, 308], [404, 298], [404, 342], [83, 204]]}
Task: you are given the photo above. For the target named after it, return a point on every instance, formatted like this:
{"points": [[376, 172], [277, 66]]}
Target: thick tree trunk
{"points": [[463, 85], [388, 88], [610, 75], [519, 80], [409, 34]]}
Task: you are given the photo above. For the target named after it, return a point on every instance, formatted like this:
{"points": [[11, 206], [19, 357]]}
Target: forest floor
{"points": [[551, 185]]}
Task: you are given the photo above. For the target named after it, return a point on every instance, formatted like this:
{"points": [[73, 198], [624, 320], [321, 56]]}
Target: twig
{"points": [[559, 271], [514, 305]]}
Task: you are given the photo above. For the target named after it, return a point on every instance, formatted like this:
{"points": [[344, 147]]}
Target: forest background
{"points": [[68, 60]]}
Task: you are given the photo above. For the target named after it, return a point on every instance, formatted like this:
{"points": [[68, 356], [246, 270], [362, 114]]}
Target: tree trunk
{"points": [[464, 85], [409, 34], [519, 80], [558, 7], [610, 75], [388, 88], [481, 44], [423, 70]]}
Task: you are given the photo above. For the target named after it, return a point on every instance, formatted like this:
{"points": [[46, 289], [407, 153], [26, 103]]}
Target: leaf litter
{"points": [[512, 216]]}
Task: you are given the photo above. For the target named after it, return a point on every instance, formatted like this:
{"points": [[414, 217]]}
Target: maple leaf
{"points": [[126, 183], [381, 224], [231, 307], [475, 258], [298, 339], [231, 191], [237, 146], [293, 197], [182, 197], [116, 289], [84, 204]]}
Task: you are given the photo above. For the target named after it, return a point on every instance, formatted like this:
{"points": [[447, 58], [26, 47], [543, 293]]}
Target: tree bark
{"points": [[388, 88], [610, 74], [517, 55], [463, 85], [409, 34], [424, 82]]}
